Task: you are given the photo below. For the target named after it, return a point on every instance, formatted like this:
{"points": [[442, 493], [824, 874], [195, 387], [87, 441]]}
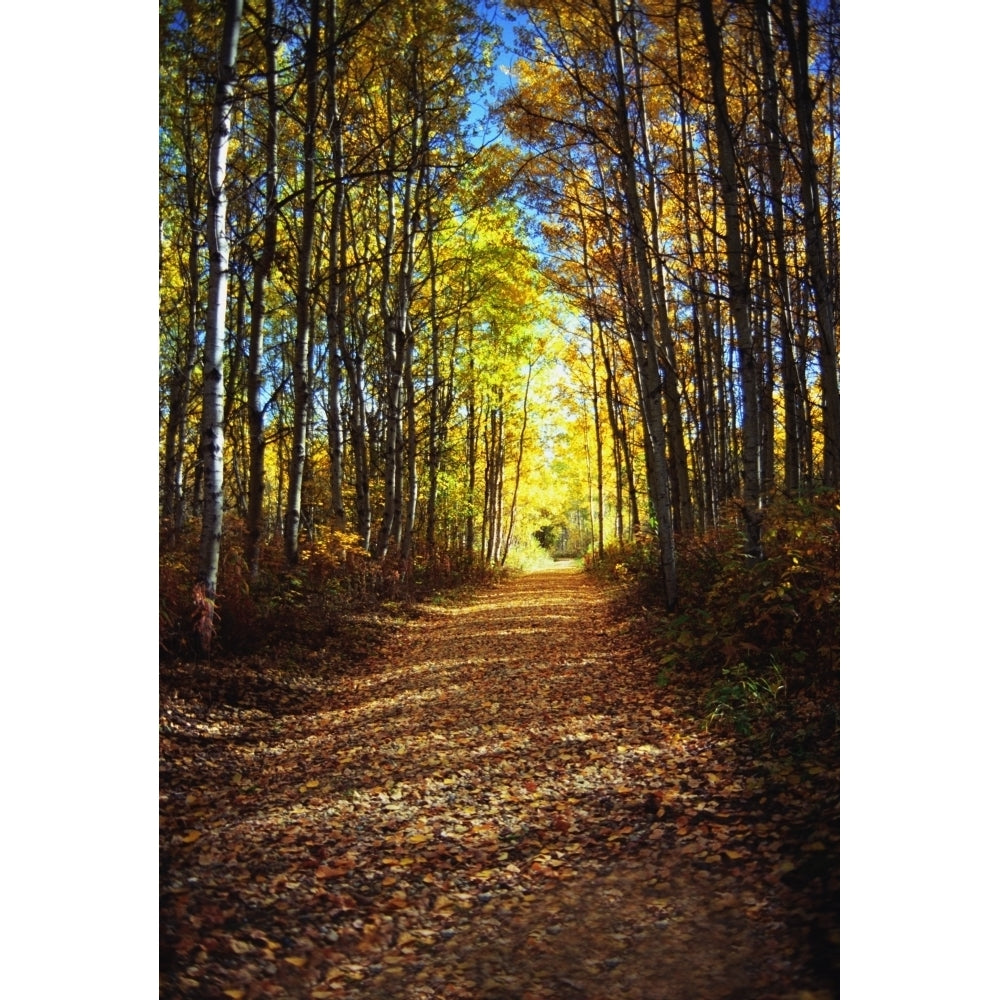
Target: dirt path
{"points": [[503, 806]]}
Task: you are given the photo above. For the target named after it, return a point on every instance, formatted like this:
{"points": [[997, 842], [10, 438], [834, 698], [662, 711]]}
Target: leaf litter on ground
{"points": [[498, 802]]}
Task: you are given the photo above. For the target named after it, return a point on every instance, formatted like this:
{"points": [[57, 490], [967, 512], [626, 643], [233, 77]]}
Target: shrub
{"points": [[738, 617], [744, 700]]}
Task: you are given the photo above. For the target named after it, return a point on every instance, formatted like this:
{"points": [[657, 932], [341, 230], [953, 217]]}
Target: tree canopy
{"points": [[584, 288]]}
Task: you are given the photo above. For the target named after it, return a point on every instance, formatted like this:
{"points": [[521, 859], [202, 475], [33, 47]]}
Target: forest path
{"points": [[502, 806]]}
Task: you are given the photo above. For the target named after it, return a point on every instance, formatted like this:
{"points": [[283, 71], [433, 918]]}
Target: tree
{"points": [[597, 115], [793, 394], [677, 163], [736, 273], [262, 265], [304, 301], [218, 241], [796, 28], [185, 127]]}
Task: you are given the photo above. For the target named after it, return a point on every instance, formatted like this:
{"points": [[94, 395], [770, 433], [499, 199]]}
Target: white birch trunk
{"points": [[215, 325]]}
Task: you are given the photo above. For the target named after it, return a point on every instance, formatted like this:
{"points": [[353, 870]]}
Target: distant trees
{"points": [[685, 160], [396, 359], [379, 338]]}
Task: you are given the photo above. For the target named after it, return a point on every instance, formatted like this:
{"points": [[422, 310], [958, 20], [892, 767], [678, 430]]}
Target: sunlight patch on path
{"points": [[499, 808]]}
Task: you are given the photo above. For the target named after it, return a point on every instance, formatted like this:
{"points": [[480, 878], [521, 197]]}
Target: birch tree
{"points": [[218, 243]]}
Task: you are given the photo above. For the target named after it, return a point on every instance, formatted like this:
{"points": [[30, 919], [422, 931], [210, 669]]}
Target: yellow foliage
{"points": [[333, 544]]}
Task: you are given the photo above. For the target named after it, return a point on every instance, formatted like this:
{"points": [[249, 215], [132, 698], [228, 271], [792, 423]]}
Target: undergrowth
{"points": [[295, 607], [758, 639]]}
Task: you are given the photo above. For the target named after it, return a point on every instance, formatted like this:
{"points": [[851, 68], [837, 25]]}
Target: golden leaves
{"points": [[446, 822]]}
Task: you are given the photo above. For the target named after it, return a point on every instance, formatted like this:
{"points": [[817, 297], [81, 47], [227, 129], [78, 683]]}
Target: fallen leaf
{"points": [[482, 806]]}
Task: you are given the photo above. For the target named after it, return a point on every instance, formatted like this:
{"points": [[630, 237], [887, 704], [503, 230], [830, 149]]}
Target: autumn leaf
{"points": [[513, 834]]}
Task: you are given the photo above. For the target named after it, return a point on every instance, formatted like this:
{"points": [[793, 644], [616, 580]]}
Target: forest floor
{"points": [[495, 802]]}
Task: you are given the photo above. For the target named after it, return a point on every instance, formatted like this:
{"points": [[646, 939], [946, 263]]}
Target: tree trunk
{"points": [[301, 382], [261, 275], [436, 419], [174, 507], [353, 344], [595, 398], [236, 475], [397, 339], [676, 450], [336, 307], [472, 438], [738, 284], [700, 322], [517, 467], [354, 366], [797, 36], [410, 507], [212, 402], [641, 329], [792, 392]]}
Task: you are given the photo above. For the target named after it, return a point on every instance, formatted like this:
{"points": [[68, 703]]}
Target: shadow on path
{"points": [[502, 805]]}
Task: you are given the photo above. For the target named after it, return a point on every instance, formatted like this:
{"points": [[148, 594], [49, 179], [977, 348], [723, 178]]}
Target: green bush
{"points": [[737, 617], [743, 700]]}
